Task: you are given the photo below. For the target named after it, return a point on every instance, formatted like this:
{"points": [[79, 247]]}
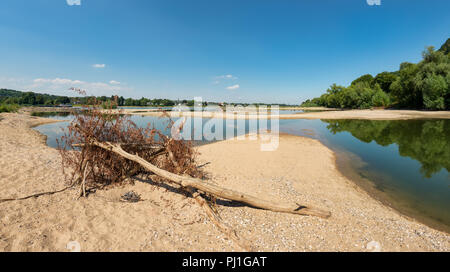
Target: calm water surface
{"points": [[403, 163]]}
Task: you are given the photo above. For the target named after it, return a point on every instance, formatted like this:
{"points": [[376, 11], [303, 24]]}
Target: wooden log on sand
{"points": [[212, 189]]}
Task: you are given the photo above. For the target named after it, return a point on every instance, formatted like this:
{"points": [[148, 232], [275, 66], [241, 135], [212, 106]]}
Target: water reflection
{"points": [[407, 162], [427, 141]]}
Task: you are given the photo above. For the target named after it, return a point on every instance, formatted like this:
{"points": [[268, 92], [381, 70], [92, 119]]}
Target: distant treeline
{"points": [[12, 97], [37, 99], [424, 85]]}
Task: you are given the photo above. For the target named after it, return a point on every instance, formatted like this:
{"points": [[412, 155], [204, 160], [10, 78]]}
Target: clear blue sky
{"points": [[282, 51]]}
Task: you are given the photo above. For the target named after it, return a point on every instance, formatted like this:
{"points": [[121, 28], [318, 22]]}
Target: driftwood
{"points": [[36, 195], [217, 220], [212, 189]]}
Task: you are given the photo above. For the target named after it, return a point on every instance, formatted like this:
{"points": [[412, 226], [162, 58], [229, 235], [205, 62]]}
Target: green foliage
{"points": [[109, 104], [403, 89], [363, 79], [385, 79], [9, 93], [380, 99], [421, 86], [311, 103], [358, 96], [424, 85], [9, 108], [35, 99], [445, 48]]}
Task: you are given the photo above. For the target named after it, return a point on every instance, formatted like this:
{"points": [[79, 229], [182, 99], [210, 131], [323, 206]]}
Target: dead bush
{"points": [[93, 166]]}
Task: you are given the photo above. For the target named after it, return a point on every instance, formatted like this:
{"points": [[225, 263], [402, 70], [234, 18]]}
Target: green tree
{"points": [[404, 90], [445, 48], [62, 100], [364, 78], [40, 100], [28, 98], [432, 79], [380, 99], [385, 79]]}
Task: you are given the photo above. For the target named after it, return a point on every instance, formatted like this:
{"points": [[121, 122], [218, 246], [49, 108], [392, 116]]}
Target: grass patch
{"points": [[9, 108]]}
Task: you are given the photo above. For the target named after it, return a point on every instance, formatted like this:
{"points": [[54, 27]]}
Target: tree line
{"points": [[36, 99], [13, 97], [424, 85]]}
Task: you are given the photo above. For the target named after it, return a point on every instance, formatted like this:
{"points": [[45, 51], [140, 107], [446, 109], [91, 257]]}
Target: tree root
{"points": [[36, 195]]}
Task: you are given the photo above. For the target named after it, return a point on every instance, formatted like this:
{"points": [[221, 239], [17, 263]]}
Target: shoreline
{"points": [[332, 114], [343, 161], [217, 170], [350, 114]]}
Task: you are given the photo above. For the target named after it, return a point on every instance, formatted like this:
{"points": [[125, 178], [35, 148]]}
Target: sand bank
{"points": [[318, 113], [302, 170], [329, 114]]}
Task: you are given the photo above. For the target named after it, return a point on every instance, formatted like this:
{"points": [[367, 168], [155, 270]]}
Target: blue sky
{"points": [[282, 51]]}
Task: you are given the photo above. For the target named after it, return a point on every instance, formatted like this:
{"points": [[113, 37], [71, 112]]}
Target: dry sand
{"points": [[302, 170]]}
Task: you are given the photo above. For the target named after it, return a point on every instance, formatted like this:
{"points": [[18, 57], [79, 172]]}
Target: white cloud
{"points": [[226, 77], [58, 85], [61, 86], [58, 81], [98, 66], [234, 87], [223, 79]]}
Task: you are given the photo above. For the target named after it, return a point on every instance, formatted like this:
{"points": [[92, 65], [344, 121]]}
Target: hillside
{"points": [[445, 48], [424, 85]]}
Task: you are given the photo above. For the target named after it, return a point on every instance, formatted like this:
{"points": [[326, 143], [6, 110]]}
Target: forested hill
{"points": [[8, 97], [445, 48], [32, 98], [424, 85], [9, 93], [29, 98]]}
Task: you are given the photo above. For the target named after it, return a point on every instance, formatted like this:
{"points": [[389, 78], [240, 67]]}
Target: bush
{"points": [[108, 105], [380, 99], [425, 85], [9, 108], [101, 167]]}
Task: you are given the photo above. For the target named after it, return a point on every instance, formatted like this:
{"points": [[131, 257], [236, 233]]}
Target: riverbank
{"points": [[302, 170], [319, 114], [310, 113]]}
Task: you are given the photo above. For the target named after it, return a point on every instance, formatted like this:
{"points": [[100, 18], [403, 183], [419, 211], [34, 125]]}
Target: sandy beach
{"points": [[302, 170]]}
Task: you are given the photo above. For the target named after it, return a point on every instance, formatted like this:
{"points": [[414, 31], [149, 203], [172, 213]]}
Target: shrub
{"points": [[9, 108], [380, 99], [101, 167], [109, 105]]}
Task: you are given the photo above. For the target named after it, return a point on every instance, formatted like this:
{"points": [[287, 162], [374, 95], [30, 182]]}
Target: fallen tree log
{"points": [[212, 189]]}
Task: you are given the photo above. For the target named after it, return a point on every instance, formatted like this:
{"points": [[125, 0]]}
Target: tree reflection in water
{"points": [[427, 141]]}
